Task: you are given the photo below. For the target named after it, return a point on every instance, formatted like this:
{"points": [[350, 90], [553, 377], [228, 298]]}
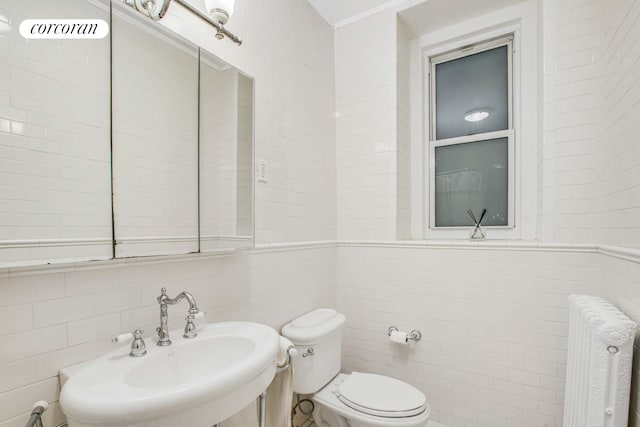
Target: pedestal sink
{"points": [[194, 382]]}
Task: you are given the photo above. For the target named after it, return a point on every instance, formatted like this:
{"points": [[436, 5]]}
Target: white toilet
{"points": [[342, 400]]}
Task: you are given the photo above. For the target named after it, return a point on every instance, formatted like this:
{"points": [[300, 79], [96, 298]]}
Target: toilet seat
{"points": [[381, 396], [327, 400]]}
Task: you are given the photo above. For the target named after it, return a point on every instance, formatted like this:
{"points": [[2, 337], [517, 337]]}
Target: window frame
{"points": [[430, 61]]}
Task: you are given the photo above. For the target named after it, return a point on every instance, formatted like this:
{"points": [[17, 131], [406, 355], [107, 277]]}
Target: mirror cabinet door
{"points": [[139, 136], [55, 184], [155, 139], [226, 156]]}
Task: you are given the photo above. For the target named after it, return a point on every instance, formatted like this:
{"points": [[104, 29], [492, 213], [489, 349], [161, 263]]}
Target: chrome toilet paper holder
{"points": [[414, 334]]}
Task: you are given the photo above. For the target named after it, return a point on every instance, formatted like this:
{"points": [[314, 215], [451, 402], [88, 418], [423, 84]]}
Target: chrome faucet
{"points": [[190, 327]]}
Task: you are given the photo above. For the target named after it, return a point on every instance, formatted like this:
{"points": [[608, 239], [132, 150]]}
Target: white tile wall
{"points": [[494, 325], [591, 149], [619, 117], [366, 128], [403, 131], [43, 332], [543, 105], [594, 128], [570, 196], [618, 149]]}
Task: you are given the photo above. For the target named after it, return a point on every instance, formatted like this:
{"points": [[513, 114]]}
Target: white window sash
{"points": [[508, 133], [461, 53]]}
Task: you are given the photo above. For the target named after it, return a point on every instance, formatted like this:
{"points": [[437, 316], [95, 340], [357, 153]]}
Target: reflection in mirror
{"points": [[155, 139], [54, 138], [226, 156]]}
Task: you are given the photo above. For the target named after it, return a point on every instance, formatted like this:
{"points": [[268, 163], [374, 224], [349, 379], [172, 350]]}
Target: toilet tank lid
{"points": [[313, 327]]}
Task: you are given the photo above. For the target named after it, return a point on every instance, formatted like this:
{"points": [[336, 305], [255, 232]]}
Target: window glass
{"points": [[472, 94], [472, 176]]}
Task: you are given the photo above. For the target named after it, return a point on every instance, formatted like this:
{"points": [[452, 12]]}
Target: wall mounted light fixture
{"points": [[218, 13], [219, 10], [154, 9]]}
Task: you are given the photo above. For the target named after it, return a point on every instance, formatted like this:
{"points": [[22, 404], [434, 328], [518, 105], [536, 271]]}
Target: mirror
{"points": [[155, 138], [137, 144], [226, 156], [54, 138]]}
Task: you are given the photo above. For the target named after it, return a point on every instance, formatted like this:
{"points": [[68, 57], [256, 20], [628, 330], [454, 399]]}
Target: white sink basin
{"points": [[193, 382]]}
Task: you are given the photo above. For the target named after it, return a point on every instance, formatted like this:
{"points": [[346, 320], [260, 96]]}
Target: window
{"points": [[471, 139]]}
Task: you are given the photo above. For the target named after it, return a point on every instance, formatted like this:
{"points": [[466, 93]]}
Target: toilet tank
{"points": [[318, 332]]}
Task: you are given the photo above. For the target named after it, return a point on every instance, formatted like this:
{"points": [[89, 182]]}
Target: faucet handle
{"points": [[138, 347], [123, 338], [192, 316], [190, 327]]}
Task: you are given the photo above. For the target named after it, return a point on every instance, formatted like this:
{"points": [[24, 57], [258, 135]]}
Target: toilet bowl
{"points": [[347, 400]]}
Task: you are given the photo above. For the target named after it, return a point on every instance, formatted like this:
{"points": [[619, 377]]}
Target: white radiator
{"points": [[598, 364]]}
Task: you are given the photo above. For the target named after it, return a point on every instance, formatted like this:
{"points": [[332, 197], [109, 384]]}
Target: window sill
{"points": [[464, 233], [521, 245]]}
